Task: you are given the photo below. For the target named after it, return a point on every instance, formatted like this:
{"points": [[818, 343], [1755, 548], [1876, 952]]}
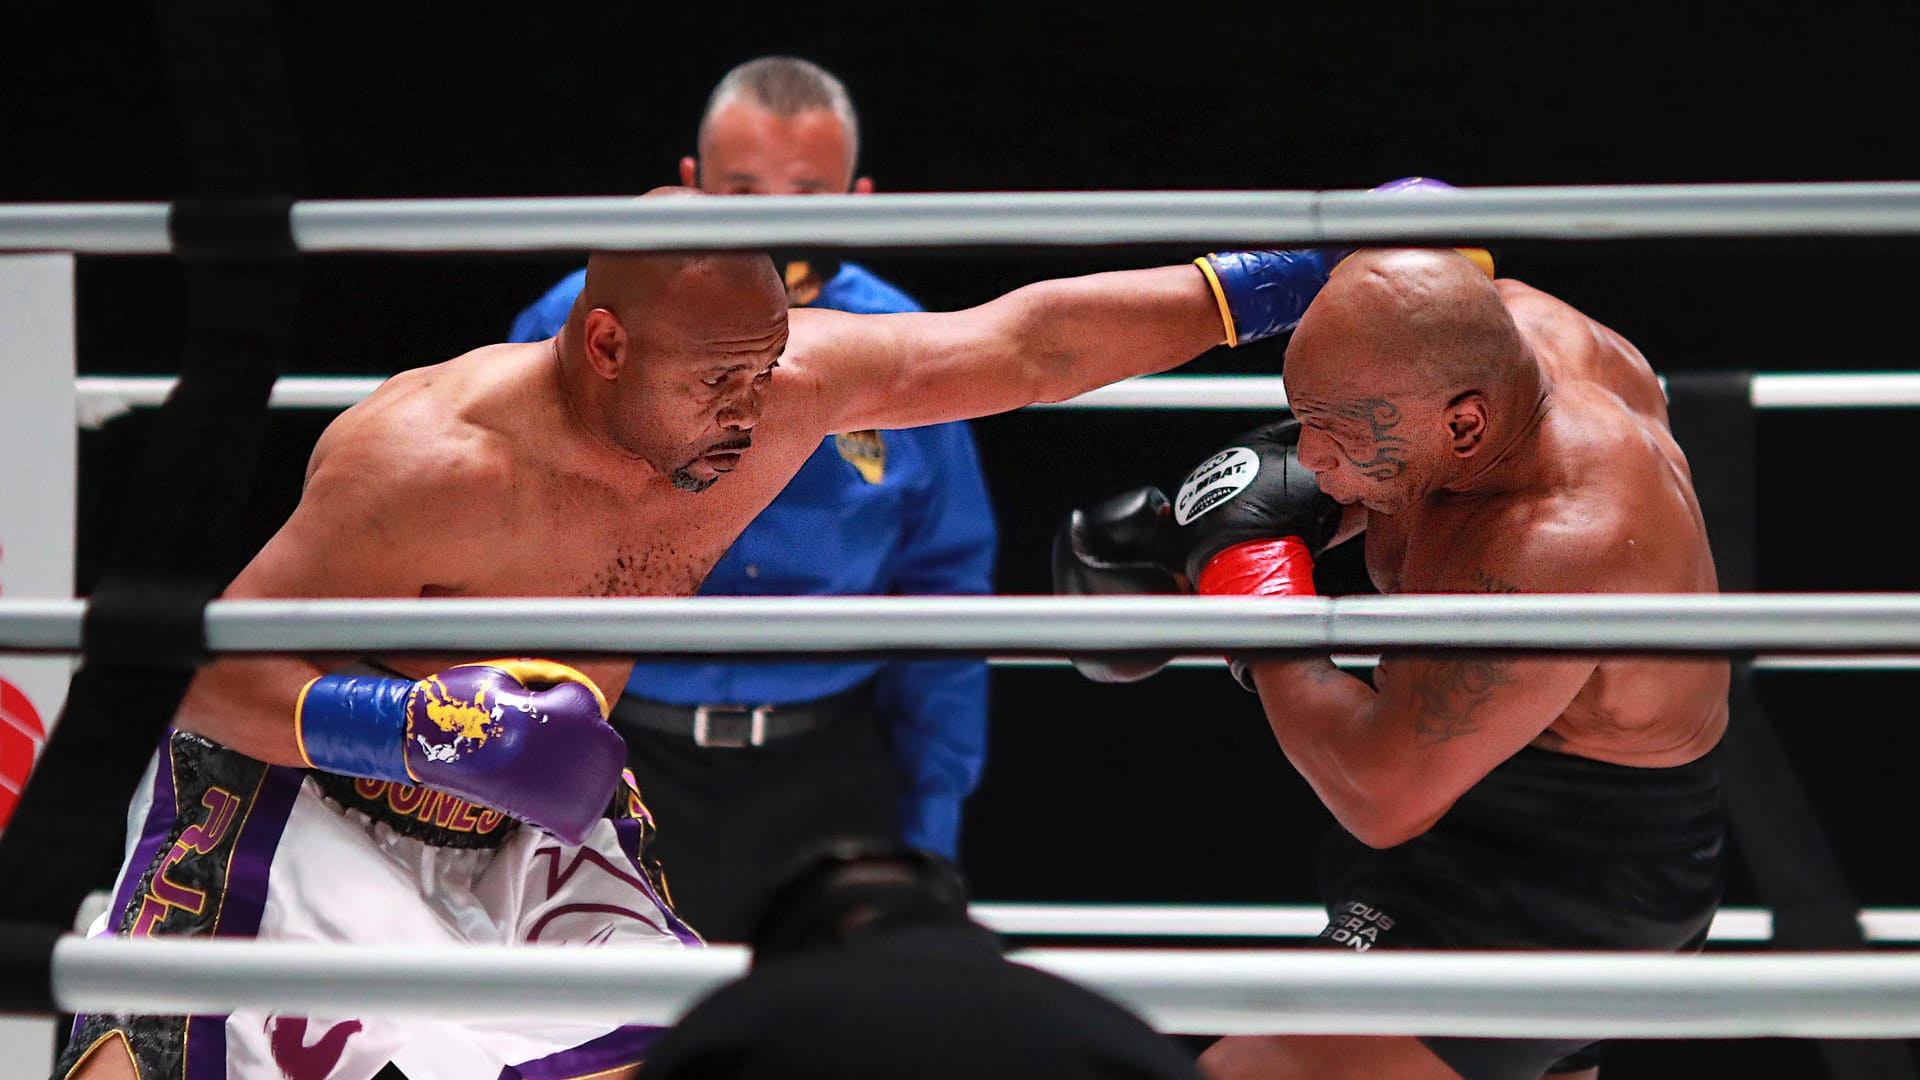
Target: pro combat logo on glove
{"points": [[1218, 479]]}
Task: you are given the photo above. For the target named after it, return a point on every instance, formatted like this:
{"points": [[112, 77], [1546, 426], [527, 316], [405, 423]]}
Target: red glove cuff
{"points": [[1280, 567]]}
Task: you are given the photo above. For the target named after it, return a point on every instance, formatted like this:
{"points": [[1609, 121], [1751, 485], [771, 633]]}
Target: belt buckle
{"points": [[738, 726]]}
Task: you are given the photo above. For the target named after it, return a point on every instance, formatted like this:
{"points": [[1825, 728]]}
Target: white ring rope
{"points": [[1585, 995], [1909, 662], [1060, 920], [1025, 220], [100, 398], [1803, 623]]}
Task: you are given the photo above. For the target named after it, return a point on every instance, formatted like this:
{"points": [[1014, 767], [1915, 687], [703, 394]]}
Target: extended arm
{"points": [[1044, 342], [1062, 338]]}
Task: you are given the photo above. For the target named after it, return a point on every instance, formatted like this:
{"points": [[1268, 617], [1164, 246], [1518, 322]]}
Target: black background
{"points": [[1172, 789]]}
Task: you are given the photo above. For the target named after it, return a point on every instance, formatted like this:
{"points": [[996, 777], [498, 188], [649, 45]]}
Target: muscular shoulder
{"points": [[1616, 517], [1573, 347], [825, 350], [423, 434]]}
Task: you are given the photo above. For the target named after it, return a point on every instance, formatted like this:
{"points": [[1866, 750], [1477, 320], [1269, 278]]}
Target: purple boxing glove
{"points": [[1264, 293], [526, 737]]}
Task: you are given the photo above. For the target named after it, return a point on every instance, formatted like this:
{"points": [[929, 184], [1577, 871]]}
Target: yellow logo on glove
{"points": [[461, 719]]}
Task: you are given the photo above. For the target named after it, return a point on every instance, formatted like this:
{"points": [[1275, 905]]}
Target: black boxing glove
{"points": [[1118, 546], [1250, 520], [1232, 510]]}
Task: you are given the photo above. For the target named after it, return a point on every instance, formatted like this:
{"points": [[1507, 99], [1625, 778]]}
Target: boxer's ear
{"points": [[605, 343], [689, 172], [1466, 418]]}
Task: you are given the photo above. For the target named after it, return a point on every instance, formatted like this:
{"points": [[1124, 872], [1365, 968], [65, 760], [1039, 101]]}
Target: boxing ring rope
{"points": [[1019, 220], [892, 625], [1213, 991], [1584, 995], [100, 398], [1063, 920]]}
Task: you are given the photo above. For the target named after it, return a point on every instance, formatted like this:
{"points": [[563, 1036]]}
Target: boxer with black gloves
{"points": [[1486, 438]]}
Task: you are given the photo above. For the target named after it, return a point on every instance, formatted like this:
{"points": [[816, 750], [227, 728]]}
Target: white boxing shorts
{"points": [[220, 844]]}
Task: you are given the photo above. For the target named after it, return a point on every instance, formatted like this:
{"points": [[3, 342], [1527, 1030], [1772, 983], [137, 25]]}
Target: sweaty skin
{"points": [[1489, 439], [614, 460]]}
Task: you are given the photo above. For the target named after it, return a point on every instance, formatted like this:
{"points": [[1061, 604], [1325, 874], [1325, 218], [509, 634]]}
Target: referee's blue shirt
{"points": [[868, 514]]}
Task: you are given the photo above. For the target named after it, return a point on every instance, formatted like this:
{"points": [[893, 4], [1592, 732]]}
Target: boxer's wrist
{"points": [[1264, 293], [355, 725], [1279, 566]]}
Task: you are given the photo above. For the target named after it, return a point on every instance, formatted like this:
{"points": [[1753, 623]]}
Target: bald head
{"points": [[1406, 373], [1422, 319], [643, 286]]}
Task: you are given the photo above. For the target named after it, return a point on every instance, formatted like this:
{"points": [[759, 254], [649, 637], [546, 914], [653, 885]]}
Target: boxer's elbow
{"points": [[1381, 831], [1034, 350], [1387, 814]]}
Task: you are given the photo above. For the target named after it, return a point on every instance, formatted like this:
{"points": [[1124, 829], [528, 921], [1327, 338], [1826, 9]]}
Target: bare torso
{"points": [[570, 517], [1615, 481], [476, 478]]}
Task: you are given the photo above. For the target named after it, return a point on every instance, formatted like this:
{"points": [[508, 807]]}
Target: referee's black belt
{"points": [[738, 725]]}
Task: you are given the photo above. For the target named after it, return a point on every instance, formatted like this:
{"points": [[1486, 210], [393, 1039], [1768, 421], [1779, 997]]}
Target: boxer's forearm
{"points": [[1071, 335], [1322, 719], [247, 704], [1045, 342]]}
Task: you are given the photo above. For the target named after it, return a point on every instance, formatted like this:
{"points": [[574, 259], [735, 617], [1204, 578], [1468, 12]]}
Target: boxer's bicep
{"points": [[1456, 716], [1454, 719]]}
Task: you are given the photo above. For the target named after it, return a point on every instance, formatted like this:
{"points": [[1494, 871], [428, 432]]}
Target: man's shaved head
{"points": [[1429, 315], [633, 284], [1407, 374]]}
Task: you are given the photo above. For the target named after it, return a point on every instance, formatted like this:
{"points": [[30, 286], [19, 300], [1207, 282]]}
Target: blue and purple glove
{"points": [[526, 737], [1264, 293]]}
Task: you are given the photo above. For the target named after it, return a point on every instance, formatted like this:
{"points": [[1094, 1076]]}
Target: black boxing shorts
{"points": [[1550, 851]]}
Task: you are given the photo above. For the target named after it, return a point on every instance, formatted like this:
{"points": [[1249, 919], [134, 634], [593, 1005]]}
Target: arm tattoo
{"points": [[1449, 694]]}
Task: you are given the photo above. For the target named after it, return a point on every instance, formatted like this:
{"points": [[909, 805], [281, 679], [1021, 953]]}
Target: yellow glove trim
{"points": [[299, 711], [530, 669], [1481, 258], [1220, 298]]}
